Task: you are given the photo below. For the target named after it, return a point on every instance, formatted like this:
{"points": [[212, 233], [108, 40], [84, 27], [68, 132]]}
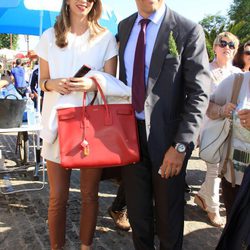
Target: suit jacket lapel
{"points": [[160, 49]]}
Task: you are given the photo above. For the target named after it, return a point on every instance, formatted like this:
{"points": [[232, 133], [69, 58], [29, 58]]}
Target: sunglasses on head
{"points": [[247, 52], [224, 44]]}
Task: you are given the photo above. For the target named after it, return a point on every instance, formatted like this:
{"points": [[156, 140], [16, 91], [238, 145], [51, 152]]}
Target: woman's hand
{"points": [[216, 111], [244, 116], [59, 85], [81, 84], [227, 110]]}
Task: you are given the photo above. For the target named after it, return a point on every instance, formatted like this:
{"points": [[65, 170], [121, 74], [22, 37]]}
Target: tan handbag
{"points": [[218, 131], [212, 140]]}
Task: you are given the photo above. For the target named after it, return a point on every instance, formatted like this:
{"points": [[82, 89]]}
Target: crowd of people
{"points": [[175, 91], [22, 80]]}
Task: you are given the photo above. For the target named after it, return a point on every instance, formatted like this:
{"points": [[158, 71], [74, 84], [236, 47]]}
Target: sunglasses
{"points": [[224, 44], [247, 52]]}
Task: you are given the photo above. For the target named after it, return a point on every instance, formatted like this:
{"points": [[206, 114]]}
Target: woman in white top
{"points": [[240, 141], [75, 40], [225, 46]]}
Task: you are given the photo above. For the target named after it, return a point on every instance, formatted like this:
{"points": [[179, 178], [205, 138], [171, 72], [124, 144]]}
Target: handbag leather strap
{"points": [[108, 117], [235, 93]]}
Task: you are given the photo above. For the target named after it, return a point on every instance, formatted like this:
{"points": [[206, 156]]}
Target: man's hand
{"points": [[172, 163]]}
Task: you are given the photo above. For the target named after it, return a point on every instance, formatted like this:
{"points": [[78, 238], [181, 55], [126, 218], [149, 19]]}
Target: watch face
{"points": [[181, 148]]}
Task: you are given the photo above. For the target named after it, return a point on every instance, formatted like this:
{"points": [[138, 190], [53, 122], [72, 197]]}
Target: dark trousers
{"points": [[143, 184], [229, 194], [22, 91], [119, 203], [236, 234]]}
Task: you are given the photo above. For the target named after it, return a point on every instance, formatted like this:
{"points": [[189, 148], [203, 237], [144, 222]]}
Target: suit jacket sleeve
{"points": [[197, 85]]}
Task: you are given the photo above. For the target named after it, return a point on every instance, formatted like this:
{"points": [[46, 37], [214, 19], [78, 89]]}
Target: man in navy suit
{"points": [[177, 87]]}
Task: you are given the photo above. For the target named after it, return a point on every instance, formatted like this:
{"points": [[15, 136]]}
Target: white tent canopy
{"points": [[8, 53]]}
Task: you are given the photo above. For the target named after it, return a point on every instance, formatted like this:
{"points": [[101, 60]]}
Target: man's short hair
{"points": [[18, 61]]}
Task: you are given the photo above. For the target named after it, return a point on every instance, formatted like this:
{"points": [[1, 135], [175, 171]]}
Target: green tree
{"points": [[5, 41], [213, 22], [239, 12], [212, 25]]}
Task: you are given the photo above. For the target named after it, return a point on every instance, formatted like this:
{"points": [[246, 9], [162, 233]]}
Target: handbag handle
{"points": [[235, 93], [108, 117], [236, 87]]}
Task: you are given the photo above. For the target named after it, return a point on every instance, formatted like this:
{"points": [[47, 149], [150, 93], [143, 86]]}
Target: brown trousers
{"points": [[59, 181]]}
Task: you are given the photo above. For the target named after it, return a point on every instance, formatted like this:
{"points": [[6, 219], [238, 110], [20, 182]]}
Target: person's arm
{"points": [[87, 84], [219, 105], [33, 82], [47, 84], [216, 111], [196, 86], [3, 83], [12, 79], [110, 66]]}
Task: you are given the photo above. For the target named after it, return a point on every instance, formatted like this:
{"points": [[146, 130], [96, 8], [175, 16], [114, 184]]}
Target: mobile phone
{"points": [[82, 71]]}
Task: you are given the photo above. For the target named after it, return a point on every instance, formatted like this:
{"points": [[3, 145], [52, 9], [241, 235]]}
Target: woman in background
{"points": [[242, 57], [225, 47], [240, 140]]}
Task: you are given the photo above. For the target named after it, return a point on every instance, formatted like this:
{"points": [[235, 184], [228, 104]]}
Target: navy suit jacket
{"points": [[177, 87]]}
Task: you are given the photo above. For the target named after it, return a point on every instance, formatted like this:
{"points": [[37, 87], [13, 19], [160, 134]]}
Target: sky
{"points": [[192, 9], [195, 10]]}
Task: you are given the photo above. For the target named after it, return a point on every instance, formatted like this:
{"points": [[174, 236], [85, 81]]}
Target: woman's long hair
{"points": [[62, 25]]}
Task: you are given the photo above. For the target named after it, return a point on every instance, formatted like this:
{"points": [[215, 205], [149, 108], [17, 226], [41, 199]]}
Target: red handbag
{"points": [[98, 136]]}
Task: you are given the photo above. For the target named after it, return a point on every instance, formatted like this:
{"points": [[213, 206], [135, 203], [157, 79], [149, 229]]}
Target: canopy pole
{"points": [[41, 23]]}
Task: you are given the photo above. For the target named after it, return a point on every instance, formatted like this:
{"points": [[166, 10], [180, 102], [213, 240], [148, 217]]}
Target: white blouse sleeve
{"points": [[42, 48], [112, 48]]}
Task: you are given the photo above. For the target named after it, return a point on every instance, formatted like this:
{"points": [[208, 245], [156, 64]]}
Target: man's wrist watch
{"points": [[180, 147]]}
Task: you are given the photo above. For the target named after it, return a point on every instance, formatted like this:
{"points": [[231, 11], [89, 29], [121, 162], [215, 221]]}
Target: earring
{"points": [[67, 9]]}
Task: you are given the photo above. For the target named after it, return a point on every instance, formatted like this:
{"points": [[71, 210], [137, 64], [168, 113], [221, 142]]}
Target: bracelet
{"points": [[220, 112], [43, 85]]}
